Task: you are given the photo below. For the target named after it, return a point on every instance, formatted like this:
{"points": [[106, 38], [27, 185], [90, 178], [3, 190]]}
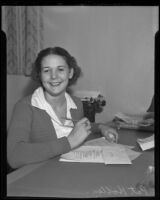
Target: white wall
{"points": [[114, 45]]}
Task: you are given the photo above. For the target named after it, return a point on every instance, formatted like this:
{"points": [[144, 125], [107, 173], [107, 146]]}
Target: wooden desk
{"points": [[65, 179]]}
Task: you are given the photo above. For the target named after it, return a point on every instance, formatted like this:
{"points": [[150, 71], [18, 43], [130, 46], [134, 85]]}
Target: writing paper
{"points": [[84, 154], [146, 143], [115, 155], [97, 154], [132, 154]]}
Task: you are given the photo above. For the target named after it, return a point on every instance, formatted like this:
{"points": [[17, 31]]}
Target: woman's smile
{"points": [[55, 84]]}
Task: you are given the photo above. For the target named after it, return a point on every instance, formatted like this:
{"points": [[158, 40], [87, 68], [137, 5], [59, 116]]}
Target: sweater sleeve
{"points": [[20, 149]]}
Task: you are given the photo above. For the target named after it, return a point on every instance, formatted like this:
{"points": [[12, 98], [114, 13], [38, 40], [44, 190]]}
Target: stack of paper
{"points": [[101, 151], [133, 120], [146, 143], [127, 119]]}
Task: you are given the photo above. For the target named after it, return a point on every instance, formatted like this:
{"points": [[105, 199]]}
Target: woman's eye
{"points": [[45, 70], [61, 69]]}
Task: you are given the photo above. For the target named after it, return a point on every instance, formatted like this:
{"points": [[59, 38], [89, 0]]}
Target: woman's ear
{"points": [[71, 73]]}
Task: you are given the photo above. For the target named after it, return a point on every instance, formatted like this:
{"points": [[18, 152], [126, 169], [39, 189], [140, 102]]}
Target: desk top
{"points": [[53, 178]]}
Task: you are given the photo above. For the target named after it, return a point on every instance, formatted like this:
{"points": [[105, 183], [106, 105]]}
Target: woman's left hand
{"points": [[109, 133]]}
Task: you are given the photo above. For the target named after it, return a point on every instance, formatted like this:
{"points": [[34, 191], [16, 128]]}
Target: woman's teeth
{"points": [[55, 84]]}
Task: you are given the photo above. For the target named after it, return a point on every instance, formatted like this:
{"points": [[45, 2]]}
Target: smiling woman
{"points": [[39, 129]]}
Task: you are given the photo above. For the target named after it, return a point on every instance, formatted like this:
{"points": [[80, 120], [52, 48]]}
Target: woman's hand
{"points": [[80, 132], [109, 133]]}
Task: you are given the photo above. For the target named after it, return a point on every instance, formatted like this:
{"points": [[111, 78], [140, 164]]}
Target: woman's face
{"points": [[55, 74]]}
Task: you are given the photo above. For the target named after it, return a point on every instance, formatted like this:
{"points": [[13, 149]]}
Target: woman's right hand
{"points": [[80, 132]]}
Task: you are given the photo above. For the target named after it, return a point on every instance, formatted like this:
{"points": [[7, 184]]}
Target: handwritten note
{"points": [[84, 154], [97, 154]]}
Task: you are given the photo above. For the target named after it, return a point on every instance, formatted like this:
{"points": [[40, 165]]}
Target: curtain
{"points": [[23, 26]]}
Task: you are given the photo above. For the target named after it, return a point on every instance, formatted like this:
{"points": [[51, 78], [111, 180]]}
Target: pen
{"points": [[74, 120]]}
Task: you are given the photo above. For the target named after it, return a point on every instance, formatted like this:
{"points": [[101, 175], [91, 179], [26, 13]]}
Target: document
{"points": [[146, 143], [111, 154], [103, 142], [132, 154], [115, 155], [84, 154]]}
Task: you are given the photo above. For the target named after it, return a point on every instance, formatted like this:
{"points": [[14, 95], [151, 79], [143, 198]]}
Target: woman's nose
{"points": [[53, 74]]}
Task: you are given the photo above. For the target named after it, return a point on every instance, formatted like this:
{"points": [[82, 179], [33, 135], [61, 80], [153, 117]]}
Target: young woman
{"points": [[43, 124]]}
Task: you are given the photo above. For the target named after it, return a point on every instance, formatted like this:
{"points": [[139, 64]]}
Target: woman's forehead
{"points": [[53, 60]]}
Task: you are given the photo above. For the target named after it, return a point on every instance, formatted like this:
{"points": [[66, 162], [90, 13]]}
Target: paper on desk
{"points": [[146, 143], [132, 154], [115, 155], [97, 154], [84, 154], [103, 142]]}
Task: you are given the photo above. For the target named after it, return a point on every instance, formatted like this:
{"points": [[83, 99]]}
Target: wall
{"points": [[114, 45]]}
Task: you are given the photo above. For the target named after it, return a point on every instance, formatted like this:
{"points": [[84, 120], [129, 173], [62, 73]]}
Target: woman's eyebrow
{"points": [[59, 66], [62, 65], [45, 67]]}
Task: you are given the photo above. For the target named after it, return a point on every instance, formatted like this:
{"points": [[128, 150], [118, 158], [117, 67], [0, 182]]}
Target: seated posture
{"points": [[49, 122]]}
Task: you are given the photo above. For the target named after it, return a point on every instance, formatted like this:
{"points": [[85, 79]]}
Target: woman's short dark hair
{"points": [[70, 60]]}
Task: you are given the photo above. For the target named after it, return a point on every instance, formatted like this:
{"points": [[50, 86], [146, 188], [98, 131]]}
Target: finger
{"points": [[114, 133], [87, 127], [83, 120], [89, 132], [87, 122], [112, 136]]}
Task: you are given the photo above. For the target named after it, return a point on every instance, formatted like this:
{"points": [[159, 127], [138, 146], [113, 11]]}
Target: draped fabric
{"points": [[23, 26]]}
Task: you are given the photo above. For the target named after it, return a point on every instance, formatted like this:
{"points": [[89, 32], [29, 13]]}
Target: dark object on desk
{"points": [[92, 106]]}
